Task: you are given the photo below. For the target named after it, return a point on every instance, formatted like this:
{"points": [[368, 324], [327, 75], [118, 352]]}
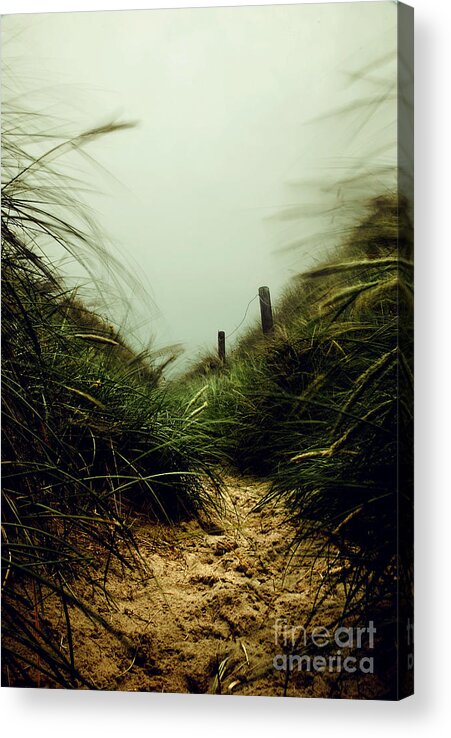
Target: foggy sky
{"points": [[224, 99]]}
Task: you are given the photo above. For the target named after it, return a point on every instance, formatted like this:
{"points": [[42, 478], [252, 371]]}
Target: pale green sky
{"points": [[225, 99]]}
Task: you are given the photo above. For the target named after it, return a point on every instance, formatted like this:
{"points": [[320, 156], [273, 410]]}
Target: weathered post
{"points": [[266, 310], [221, 346]]}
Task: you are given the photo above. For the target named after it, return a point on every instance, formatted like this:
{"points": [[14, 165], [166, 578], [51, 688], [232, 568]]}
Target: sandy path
{"points": [[204, 614]]}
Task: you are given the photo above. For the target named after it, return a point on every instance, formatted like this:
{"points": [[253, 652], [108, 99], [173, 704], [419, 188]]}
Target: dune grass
{"points": [[89, 436]]}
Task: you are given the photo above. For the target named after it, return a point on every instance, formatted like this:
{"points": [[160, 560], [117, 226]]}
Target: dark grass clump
{"points": [[343, 455], [88, 434], [343, 461]]}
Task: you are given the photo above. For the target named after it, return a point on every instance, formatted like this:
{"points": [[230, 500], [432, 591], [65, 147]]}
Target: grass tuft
{"points": [[89, 434]]}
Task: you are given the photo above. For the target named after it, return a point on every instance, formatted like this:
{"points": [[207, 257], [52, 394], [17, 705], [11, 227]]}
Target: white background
{"points": [[57, 713]]}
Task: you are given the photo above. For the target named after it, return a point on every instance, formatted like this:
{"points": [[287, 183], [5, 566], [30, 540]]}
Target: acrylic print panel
{"points": [[207, 225]]}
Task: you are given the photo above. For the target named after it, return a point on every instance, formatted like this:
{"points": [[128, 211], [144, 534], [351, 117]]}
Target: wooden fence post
{"points": [[221, 346], [266, 310]]}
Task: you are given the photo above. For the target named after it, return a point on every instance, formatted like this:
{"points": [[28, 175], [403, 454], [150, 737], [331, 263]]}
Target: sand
{"points": [[200, 615]]}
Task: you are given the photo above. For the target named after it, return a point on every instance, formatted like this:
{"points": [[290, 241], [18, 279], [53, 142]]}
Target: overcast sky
{"points": [[237, 119]]}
